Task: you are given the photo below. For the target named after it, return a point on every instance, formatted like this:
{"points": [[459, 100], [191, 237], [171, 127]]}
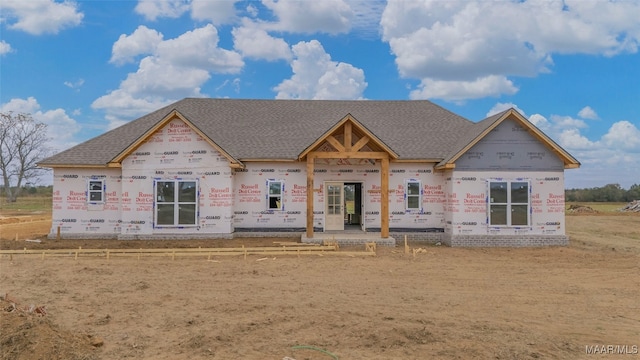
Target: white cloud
{"points": [[366, 17], [295, 16], [122, 106], [623, 134], [199, 49], [455, 90], [567, 122], [252, 10], [218, 12], [26, 106], [74, 85], [61, 128], [41, 17], [234, 84], [540, 122], [5, 47], [611, 158], [256, 43], [588, 113], [160, 78], [587, 27], [462, 41], [500, 107], [572, 139], [142, 41], [316, 76], [155, 84], [176, 68], [153, 9]]}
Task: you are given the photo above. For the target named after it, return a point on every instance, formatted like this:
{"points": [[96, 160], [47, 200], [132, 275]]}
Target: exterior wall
{"points": [[507, 153], [251, 211], [176, 152], [250, 197], [173, 152], [74, 216], [470, 205], [430, 218]]}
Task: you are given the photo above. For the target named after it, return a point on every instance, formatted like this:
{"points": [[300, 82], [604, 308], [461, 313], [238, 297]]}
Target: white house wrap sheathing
{"points": [[250, 202], [73, 215], [468, 203]]}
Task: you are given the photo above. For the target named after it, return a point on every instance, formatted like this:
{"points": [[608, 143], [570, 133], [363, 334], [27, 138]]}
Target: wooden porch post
{"points": [[310, 163], [384, 198]]}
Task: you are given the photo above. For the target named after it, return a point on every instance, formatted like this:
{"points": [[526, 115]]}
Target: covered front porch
{"points": [[346, 142]]}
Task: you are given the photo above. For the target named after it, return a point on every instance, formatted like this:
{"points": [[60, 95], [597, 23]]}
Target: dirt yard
{"points": [[446, 303]]}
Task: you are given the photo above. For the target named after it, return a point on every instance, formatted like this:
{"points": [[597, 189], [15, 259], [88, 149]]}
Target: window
{"points": [[176, 203], [509, 203], [95, 191], [413, 195], [274, 197]]}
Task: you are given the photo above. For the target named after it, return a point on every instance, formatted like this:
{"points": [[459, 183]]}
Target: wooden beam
{"points": [[355, 125], [310, 163], [335, 143], [267, 160], [384, 198], [360, 144], [447, 166], [348, 155], [347, 136]]}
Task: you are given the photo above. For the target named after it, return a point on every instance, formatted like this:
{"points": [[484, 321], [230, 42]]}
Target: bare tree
{"points": [[22, 145]]}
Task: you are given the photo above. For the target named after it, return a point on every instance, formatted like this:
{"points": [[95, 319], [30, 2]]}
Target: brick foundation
{"points": [[505, 240], [424, 237]]}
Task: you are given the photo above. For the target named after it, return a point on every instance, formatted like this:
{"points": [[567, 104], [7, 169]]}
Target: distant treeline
{"points": [[607, 193]]}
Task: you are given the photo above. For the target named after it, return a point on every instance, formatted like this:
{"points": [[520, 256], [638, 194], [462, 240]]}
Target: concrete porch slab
{"points": [[348, 238]]}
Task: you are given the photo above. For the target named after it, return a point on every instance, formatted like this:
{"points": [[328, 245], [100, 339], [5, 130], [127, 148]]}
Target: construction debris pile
{"points": [[580, 209], [27, 332], [12, 306], [633, 206]]}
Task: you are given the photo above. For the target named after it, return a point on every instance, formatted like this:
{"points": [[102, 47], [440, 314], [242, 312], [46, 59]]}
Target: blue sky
{"points": [[571, 67]]}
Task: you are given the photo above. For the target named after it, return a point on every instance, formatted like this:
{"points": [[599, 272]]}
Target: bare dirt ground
{"points": [[445, 303]]}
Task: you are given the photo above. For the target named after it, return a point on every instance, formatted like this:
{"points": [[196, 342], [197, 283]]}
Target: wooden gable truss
{"points": [[338, 143]]}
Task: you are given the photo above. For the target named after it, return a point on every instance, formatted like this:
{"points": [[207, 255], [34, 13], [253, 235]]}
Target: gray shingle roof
{"points": [[282, 129]]}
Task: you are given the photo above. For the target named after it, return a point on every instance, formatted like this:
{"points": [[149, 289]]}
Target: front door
{"points": [[334, 209]]}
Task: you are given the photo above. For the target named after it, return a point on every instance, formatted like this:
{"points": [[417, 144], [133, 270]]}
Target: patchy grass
{"points": [[25, 205], [604, 231]]}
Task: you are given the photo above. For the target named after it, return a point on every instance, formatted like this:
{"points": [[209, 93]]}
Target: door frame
{"points": [[343, 207], [362, 198], [338, 218]]}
